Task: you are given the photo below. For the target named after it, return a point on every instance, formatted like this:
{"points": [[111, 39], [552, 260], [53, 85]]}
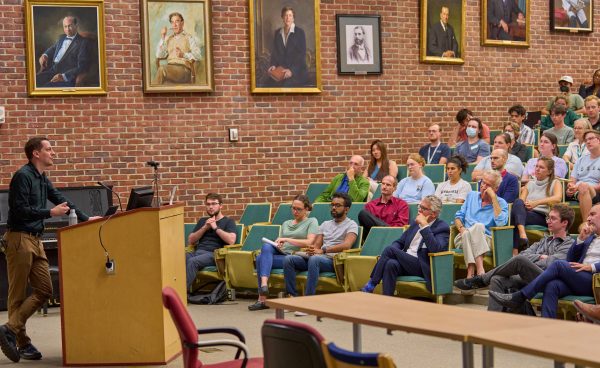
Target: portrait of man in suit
{"points": [[442, 31], [441, 38], [506, 21], [360, 52]]}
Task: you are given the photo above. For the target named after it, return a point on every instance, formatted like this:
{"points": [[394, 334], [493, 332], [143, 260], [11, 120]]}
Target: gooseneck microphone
{"points": [[113, 192]]}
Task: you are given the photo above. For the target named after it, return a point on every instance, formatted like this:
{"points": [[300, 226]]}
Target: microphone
{"points": [[113, 192], [154, 164]]}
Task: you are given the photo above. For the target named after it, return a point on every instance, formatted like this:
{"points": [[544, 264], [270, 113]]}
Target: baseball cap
{"points": [[566, 78]]}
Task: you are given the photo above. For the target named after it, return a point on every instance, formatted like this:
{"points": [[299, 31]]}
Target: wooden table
{"points": [[455, 323]]}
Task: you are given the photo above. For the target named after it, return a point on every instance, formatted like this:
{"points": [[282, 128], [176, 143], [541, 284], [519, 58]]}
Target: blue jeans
{"points": [[268, 259], [196, 261], [314, 265], [557, 281]]}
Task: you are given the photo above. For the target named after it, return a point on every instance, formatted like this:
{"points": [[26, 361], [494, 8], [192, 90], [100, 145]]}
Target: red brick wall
{"points": [[286, 141]]}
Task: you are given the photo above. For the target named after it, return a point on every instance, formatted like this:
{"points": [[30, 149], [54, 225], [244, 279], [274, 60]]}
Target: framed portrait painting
{"points": [[505, 23], [177, 47], [358, 44], [65, 47], [284, 46], [572, 15], [443, 31]]}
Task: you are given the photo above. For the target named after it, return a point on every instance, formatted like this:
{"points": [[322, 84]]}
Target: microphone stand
{"points": [[156, 198]]}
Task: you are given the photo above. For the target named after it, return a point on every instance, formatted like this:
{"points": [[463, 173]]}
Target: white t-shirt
{"points": [[450, 193]]}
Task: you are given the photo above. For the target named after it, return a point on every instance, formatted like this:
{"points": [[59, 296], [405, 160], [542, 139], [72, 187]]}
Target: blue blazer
{"points": [[435, 239], [509, 188], [577, 252], [75, 60]]}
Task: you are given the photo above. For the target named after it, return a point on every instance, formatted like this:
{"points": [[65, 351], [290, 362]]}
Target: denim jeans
{"points": [[314, 265], [268, 259]]}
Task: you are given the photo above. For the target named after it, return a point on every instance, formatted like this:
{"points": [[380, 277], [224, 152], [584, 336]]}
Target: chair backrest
{"points": [[402, 172], [184, 324], [358, 240], [314, 190], [187, 230], [449, 211], [284, 213], [336, 357], [466, 175], [435, 172], [355, 209], [493, 134], [413, 210], [562, 148], [377, 193], [380, 237], [253, 240], [529, 152], [256, 212], [239, 233], [321, 211], [291, 344]]}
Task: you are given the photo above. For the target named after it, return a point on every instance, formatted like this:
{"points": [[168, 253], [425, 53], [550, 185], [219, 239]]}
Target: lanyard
{"points": [[429, 155]]}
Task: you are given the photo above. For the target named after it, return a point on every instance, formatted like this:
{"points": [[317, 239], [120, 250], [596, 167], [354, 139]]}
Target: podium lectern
{"points": [[119, 319]]}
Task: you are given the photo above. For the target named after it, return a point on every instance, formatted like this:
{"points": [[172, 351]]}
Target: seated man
{"points": [[481, 211], [386, 210], [409, 255], [564, 134], [592, 111], [463, 116], [333, 236], [517, 115], [584, 183], [509, 187], [351, 182], [435, 152], [570, 117], [530, 263], [572, 276], [210, 233], [574, 100]]}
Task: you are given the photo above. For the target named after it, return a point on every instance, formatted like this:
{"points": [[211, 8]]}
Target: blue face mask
{"points": [[471, 132]]}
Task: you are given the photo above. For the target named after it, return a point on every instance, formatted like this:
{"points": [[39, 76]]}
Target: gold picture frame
{"points": [[278, 66], [443, 43], [181, 60], [513, 32], [572, 16], [65, 47]]}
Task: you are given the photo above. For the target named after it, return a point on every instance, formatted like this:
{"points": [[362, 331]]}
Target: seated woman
{"points": [[379, 166], [547, 123], [416, 186], [295, 234], [533, 205], [591, 87], [455, 189], [474, 149], [513, 164], [577, 148], [548, 147], [516, 148]]}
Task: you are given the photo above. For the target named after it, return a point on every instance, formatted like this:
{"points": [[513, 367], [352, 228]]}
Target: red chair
{"points": [[189, 337], [291, 344]]}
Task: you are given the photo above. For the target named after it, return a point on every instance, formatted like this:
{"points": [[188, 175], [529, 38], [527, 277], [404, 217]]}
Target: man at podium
{"points": [[25, 257], [210, 233]]}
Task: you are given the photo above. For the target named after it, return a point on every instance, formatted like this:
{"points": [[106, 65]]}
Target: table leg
{"points": [[467, 354], [356, 337], [488, 356], [279, 313]]}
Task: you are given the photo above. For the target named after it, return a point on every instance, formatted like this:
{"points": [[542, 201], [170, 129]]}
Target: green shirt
{"points": [[299, 230], [569, 120], [358, 188]]}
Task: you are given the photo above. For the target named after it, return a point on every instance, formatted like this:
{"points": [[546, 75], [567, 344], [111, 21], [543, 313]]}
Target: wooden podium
{"points": [[119, 319]]}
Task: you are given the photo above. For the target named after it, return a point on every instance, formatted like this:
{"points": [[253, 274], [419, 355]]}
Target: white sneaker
{"points": [[300, 314]]}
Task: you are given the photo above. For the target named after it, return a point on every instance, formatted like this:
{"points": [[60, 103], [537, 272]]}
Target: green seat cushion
{"points": [[277, 271], [571, 298], [209, 269], [322, 274], [410, 279], [460, 251], [536, 227]]}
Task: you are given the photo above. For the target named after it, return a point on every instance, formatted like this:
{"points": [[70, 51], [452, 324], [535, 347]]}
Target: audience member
{"points": [[463, 116], [524, 268], [591, 87], [517, 115], [351, 182], [577, 148], [409, 255], [563, 133], [570, 117], [474, 148], [379, 166], [592, 111], [548, 148], [481, 211], [386, 210], [513, 164], [435, 152], [455, 189], [295, 234], [584, 183], [333, 236], [209, 234], [572, 276], [575, 101], [416, 185], [533, 205], [515, 148]]}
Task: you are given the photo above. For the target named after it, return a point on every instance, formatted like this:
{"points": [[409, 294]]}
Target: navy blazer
{"points": [[509, 188], [435, 239], [577, 252], [75, 60]]}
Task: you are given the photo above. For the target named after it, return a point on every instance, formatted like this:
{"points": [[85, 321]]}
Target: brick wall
{"points": [[286, 141]]}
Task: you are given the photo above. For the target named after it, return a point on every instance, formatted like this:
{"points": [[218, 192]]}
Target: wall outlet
{"points": [[110, 267], [2, 114], [233, 135]]}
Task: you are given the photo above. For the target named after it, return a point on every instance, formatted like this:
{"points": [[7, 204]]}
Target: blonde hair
{"points": [[417, 158]]}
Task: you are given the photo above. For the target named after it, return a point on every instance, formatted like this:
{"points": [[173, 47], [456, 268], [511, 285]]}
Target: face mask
{"points": [[564, 89], [471, 132], [511, 135]]}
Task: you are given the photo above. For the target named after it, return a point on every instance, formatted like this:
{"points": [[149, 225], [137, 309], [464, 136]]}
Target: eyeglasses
{"points": [[297, 209], [552, 219], [336, 205], [593, 136], [211, 204], [423, 208]]}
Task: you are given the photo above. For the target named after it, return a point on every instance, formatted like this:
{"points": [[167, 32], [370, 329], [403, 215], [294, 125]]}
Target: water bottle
{"points": [[72, 218]]}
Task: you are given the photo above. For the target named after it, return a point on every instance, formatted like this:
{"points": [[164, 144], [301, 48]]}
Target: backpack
{"points": [[216, 296]]}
